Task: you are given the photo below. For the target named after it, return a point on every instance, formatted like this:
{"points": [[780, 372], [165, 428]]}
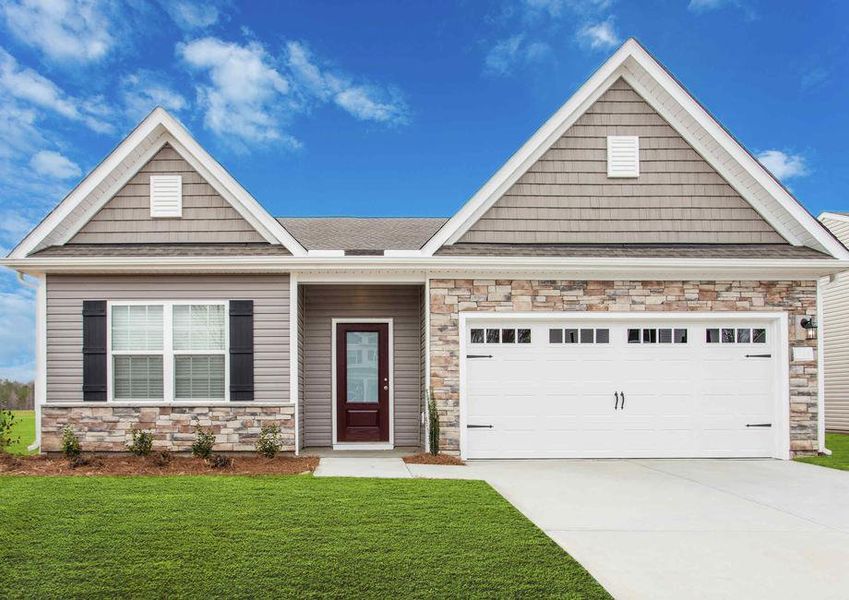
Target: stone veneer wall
{"points": [[106, 428], [448, 297]]}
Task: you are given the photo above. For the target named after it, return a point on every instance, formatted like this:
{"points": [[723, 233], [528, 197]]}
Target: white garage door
{"points": [[620, 389]]}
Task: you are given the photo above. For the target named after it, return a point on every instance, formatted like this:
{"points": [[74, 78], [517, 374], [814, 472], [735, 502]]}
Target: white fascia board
{"points": [[447, 267], [612, 69], [85, 187], [165, 128], [325, 253]]}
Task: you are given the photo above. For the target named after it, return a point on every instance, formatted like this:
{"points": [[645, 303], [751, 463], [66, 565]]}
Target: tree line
{"points": [[15, 395]]}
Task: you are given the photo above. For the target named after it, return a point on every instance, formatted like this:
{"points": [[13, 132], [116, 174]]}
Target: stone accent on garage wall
{"points": [[448, 297], [105, 428]]}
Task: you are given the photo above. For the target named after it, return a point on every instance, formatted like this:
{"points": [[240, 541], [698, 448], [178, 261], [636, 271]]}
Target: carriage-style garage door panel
{"points": [[606, 388]]}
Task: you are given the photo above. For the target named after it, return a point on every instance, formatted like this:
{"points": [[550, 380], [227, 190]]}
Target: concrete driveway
{"points": [[690, 528]]}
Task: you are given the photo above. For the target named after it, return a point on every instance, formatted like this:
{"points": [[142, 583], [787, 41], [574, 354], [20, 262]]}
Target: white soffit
{"points": [[157, 129], [652, 81]]}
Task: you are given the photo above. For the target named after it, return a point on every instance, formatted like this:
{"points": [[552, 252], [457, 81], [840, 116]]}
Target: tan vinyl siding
{"points": [[207, 217], [322, 303], [567, 197], [836, 341], [65, 295]]}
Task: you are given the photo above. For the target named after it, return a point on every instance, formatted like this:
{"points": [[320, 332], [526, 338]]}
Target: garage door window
{"points": [[657, 336], [500, 336], [739, 335], [578, 336]]}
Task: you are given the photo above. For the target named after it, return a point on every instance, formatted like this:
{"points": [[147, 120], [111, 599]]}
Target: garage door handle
{"points": [[623, 401], [758, 424], [478, 426], [616, 406], [479, 356], [759, 356]]}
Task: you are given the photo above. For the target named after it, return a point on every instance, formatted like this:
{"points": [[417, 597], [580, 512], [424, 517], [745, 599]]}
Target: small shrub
{"points": [[204, 441], [161, 459], [433, 424], [269, 442], [70, 442], [142, 442], [220, 461], [7, 424]]}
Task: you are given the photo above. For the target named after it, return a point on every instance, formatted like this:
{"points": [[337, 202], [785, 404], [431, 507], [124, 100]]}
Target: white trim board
{"points": [[124, 161], [633, 63], [391, 370], [780, 329]]}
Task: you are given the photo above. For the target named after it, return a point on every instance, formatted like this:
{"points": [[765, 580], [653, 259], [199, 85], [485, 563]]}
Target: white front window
{"points": [[168, 351]]}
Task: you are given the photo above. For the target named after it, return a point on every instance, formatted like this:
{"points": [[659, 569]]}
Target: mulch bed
{"points": [[425, 458], [155, 465]]}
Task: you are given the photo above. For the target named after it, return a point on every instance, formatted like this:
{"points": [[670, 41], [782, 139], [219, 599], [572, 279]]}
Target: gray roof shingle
{"points": [[635, 250], [162, 250], [362, 233]]}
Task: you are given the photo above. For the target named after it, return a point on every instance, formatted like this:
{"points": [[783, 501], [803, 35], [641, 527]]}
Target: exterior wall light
{"points": [[809, 324]]}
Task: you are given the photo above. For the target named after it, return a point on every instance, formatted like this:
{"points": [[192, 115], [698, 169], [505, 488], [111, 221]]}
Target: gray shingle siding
{"points": [[567, 197]]}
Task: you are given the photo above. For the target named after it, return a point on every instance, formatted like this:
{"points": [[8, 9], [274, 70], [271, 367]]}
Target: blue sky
{"points": [[386, 108]]}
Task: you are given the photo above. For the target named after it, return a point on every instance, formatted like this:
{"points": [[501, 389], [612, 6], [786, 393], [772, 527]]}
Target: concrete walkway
{"points": [[674, 528], [387, 467]]}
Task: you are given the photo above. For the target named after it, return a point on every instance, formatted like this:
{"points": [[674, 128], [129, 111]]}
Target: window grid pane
{"points": [[138, 377], [198, 327], [199, 377], [137, 328]]}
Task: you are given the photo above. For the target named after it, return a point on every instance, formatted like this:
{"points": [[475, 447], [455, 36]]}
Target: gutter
{"points": [[594, 267]]}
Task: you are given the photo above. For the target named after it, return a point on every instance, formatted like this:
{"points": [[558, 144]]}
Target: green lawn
{"points": [[838, 443], [24, 430], [297, 536]]}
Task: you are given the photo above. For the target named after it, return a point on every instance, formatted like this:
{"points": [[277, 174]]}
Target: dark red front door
{"points": [[362, 382]]}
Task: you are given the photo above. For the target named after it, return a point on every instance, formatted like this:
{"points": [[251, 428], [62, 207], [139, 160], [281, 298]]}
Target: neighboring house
{"points": [[835, 326], [631, 283]]}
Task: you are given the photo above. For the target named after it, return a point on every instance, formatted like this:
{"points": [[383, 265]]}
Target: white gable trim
{"points": [[833, 217], [157, 129], [777, 206]]}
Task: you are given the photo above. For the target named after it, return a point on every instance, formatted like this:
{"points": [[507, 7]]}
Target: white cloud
{"points": [[53, 164], [365, 102], [144, 90], [555, 8], [27, 85], [783, 165], [705, 5], [190, 15], [64, 30], [246, 96], [599, 36]]}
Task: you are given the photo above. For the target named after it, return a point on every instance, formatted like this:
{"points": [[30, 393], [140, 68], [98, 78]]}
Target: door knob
{"points": [[386, 387]]}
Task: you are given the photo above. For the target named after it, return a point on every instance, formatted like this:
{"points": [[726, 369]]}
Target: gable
{"points": [[207, 217], [567, 197], [838, 224]]}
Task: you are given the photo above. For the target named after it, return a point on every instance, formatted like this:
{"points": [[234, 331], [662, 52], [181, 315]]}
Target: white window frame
{"points": [[168, 353]]}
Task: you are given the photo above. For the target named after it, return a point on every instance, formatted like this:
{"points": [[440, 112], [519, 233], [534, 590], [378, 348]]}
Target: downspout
{"points": [[822, 281], [39, 383]]}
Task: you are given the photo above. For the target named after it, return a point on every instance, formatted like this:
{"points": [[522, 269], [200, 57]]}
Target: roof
{"points": [[636, 250], [154, 250], [362, 233]]}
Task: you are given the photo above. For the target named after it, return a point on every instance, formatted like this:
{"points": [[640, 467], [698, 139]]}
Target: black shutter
{"points": [[241, 350], [94, 350]]}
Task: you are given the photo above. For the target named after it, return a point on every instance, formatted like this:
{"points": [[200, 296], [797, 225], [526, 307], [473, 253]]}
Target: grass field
{"points": [[294, 536], [24, 430], [838, 443]]}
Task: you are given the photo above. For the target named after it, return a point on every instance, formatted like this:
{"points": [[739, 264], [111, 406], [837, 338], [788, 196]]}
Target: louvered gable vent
{"points": [[623, 156], [166, 196]]}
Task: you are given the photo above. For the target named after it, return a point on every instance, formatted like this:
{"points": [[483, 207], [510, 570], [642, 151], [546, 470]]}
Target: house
{"points": [[630, 283], [835, 327]]}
